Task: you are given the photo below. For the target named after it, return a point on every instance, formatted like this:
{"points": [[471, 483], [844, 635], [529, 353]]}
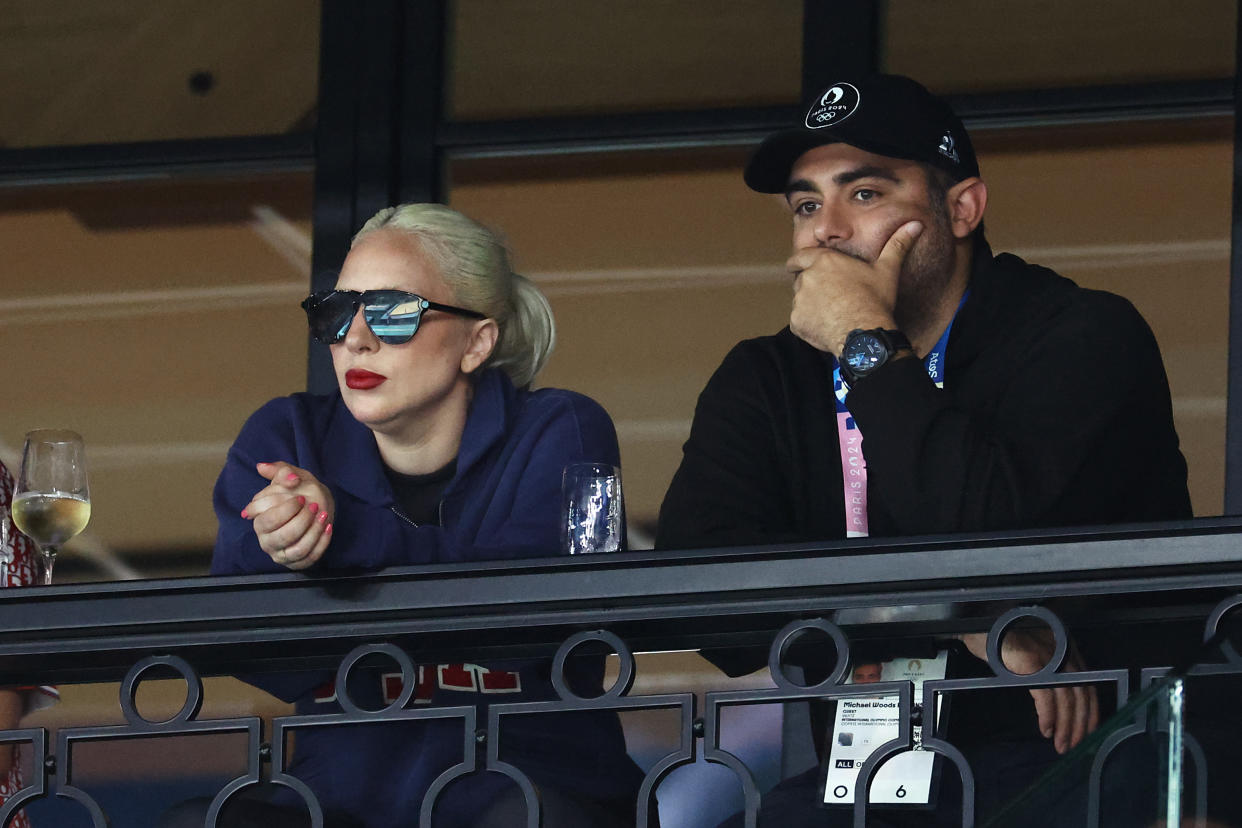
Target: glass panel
{"points": [[512, 60], [978, 45], [1142, 740], [1164, 757], [657, 264], [127, 70], [153, 319], [1175, 706]]}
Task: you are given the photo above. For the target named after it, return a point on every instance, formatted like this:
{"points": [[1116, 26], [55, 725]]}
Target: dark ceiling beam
{"points": [[611, 133], [1172, 101], [45, 166], [741, 126], [1111, 103]]}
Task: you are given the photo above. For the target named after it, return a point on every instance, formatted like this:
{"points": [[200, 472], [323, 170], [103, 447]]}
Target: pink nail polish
{"points": [[292, 477], [243, 514], [301, 500], [314, 507], [322, 517], [327, 530]]}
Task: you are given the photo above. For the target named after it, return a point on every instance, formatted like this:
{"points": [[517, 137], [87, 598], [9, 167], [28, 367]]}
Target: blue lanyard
{"points": [[934, 361]]}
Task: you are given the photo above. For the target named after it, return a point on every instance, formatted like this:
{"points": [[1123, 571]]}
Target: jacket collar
{"points": [[1005, 293], [487, 422], [351, 456], [964, 343]]}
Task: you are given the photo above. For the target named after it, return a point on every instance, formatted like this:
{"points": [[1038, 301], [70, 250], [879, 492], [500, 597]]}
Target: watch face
{"points": [[863, 352]]}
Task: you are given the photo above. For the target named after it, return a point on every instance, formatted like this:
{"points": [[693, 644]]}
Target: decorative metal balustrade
{"points": [[1127, 580]]}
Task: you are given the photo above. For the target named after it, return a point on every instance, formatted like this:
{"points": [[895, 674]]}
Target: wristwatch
{"points": [[866, 351]]}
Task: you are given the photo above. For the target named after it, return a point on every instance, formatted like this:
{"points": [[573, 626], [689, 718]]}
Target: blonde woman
{"points": [[432, 450]]}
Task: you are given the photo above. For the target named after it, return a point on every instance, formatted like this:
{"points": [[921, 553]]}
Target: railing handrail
{"points": [[527, 606]]}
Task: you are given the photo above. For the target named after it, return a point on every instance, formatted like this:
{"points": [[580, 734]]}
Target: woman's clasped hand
{"points": [[292, 515]]}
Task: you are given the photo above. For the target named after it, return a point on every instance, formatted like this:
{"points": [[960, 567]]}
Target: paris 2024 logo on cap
{"points": [[833, 107]]}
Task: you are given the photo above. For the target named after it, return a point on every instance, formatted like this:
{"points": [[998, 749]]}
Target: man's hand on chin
{"points": [[835, 293]]}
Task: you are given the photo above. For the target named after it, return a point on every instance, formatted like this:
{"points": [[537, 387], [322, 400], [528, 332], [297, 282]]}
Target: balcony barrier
{"points": [[1133, 585]]}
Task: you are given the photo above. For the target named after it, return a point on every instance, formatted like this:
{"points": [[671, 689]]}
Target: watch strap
{"points": [[892, 340], [897, 341]]}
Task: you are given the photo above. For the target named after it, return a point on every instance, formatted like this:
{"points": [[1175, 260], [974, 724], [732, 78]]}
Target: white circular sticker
{"points": [[839, 102]]}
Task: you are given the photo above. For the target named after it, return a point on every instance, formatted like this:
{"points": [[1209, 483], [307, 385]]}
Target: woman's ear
{"points": [[967, 200], [483, 336]]}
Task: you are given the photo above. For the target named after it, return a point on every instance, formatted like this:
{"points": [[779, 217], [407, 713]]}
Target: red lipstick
{"points": [[361, 380]]}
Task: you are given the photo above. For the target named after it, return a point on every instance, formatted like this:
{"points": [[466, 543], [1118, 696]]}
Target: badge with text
{"points": [[863, 723]]}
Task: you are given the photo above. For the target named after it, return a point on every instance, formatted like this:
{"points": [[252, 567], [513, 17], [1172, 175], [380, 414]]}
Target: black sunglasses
{"points": [[392, 315]]}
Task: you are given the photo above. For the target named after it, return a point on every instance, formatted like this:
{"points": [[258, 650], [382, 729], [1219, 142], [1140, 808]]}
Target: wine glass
{"points": [[52, 502], [593, 515]]}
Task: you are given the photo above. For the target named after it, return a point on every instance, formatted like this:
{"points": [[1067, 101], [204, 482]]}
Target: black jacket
{"points": [[1055, 412]]}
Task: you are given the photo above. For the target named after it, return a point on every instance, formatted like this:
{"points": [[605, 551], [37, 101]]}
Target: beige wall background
{"points": [[154, 316]]}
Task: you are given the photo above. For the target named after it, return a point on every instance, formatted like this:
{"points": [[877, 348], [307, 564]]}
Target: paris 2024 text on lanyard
{"points": [[853, 464]]}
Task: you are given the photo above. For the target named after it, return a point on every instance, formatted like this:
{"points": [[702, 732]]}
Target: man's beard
{"points": [[926, 271]]}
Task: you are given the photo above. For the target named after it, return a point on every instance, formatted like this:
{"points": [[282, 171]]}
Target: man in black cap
{"points": [[992, 394]]}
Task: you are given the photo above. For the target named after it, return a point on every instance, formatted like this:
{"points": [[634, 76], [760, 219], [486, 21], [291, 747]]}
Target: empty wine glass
{"points": [[593, 519], [52, 501]]}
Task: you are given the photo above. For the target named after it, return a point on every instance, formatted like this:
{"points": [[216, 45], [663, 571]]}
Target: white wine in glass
{"points": [[52, 500]]}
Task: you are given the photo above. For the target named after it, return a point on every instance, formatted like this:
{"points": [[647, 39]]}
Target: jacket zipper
{"points": [[396, 512], [439, 512]]}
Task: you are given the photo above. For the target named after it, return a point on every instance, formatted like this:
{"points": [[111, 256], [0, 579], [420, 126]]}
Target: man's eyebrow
{"points": [[802, 185], [869, 171]]}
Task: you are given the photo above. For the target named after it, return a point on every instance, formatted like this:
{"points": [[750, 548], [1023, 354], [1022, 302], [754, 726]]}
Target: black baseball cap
{"points": [[889, 115]]}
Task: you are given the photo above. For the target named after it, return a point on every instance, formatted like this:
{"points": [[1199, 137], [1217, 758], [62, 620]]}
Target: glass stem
{"points": [[49, 561], [1175, 702]]}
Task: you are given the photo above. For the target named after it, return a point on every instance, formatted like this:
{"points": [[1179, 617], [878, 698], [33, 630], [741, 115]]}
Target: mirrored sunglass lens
{"points": [[330, 319], [393, 318]]}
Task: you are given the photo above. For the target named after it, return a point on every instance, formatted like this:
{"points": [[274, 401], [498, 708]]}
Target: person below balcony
{"points": [[432, 450]]}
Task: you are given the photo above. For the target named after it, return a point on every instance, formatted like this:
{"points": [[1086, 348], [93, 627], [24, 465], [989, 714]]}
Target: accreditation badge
{"points": [[863, 723]]}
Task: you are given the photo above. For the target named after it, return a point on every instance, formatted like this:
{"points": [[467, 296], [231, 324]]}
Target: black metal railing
{"points": [[1123, 581]]}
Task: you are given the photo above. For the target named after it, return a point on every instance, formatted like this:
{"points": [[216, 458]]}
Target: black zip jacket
{"points": [[1055, 412]]}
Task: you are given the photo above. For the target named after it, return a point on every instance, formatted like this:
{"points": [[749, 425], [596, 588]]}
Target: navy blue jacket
{"points": [[503, 502]]}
